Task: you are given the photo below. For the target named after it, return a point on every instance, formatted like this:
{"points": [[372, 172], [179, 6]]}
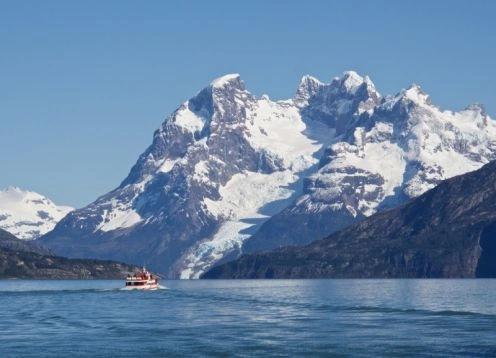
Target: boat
{"points": [[143, 280]]}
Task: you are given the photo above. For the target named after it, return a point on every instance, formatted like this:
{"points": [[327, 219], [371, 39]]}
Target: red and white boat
{"points": [[143, 280]]}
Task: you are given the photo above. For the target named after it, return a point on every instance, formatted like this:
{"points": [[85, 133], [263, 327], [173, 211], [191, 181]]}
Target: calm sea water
{"points": [[263, 318]]}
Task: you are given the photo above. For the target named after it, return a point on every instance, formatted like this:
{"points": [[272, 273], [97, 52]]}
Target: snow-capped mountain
{"points": [[226, 161], [393, 152], [219, 166], [27, 214]]}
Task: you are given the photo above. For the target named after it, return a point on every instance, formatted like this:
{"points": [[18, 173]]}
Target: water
{"points": [[302, 318]]}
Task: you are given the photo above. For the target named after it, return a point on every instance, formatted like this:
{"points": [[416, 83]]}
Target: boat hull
{"points": [[141, 288]]}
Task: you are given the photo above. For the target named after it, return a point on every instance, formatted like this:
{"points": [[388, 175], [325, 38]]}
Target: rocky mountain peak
{"points": [[227, 87], [339, 103], [308, 87], [229, 80], [352, 81], [415, 94], [478, 109]]}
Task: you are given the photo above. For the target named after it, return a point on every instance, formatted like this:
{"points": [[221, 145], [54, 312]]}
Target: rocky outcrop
{"points": [[450, 231]]}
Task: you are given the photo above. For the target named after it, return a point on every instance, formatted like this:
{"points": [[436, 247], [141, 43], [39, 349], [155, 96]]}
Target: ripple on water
{"points": [[250, 318]]}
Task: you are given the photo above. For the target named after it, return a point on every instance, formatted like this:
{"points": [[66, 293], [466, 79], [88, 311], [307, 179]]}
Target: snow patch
{"points": [[167, 165], [246, 193], [119, 218], [188, 120], [201, 171], [279, 130], [120, 214]]}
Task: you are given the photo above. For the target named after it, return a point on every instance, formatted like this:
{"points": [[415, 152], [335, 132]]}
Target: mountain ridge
{"points": [[227, 167], [22, 259]]}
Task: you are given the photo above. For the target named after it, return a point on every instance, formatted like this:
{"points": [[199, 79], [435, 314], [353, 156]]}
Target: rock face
{"points": [[228, 172], [23, 260], [27, 214], [450, 231]]}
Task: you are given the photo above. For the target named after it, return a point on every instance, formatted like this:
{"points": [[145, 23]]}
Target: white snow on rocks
{"points": [[276, 129], [188, 120], [27, 214], [224, 80], [120, 217], [279, 130], [167, 165], [411, 155]]}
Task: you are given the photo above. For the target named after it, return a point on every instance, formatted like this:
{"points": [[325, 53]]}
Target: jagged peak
{"points": [[198, 111], [415, 94], [479, 113], [477, 107], [308, 80], [351, 81], [307, 88], [232, 79]]}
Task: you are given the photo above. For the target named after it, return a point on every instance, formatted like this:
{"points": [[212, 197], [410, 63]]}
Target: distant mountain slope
{"points": [[21, 259], [229, 172], [450, 231], [10, 242], [27, 214]]}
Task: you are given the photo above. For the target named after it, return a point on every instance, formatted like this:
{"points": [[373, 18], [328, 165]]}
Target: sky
{"points": [[84, 84]]}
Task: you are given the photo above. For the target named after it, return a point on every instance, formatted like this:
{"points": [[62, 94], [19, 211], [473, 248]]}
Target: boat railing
{"points": [[138, 278]]}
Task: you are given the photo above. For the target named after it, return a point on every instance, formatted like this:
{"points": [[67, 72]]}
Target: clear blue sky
{"points": [[83, 84]]}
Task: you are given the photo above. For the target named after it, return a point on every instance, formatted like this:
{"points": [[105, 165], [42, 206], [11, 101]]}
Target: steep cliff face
{"points": [[447, 232], [229, 172]]}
